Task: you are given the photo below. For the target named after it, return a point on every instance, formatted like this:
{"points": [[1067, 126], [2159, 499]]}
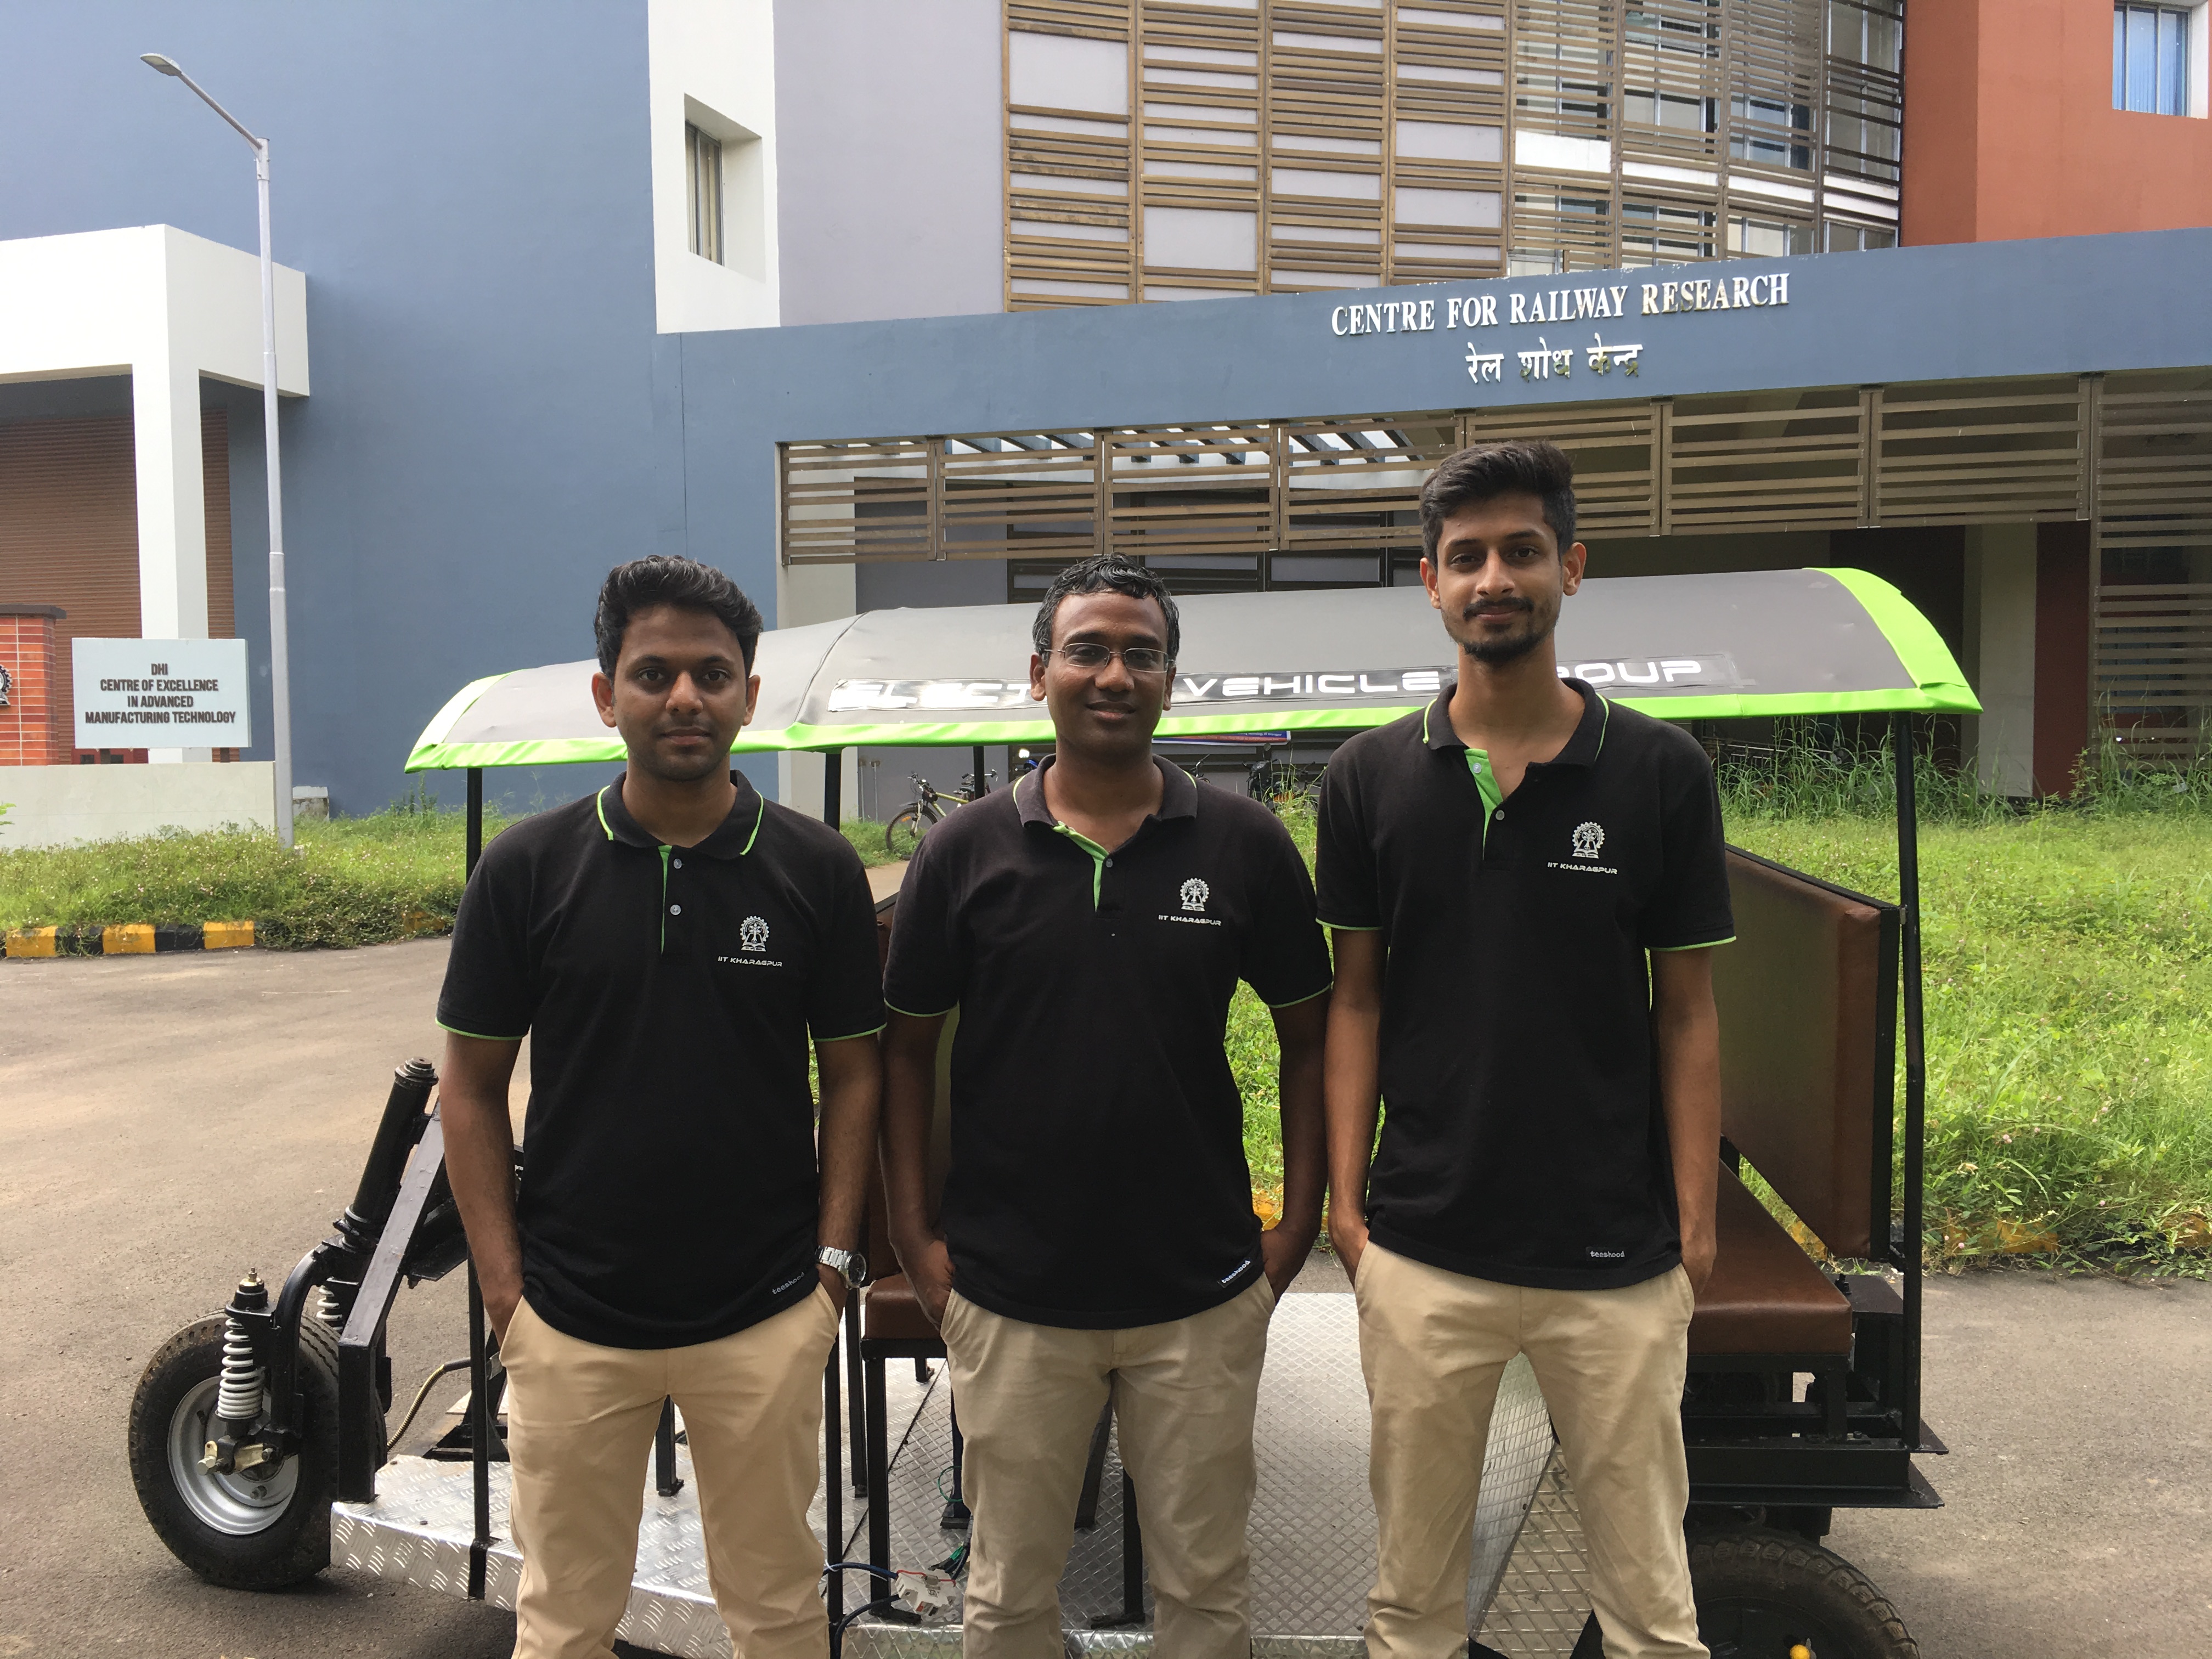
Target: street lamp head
{"points": [[156, 61]]}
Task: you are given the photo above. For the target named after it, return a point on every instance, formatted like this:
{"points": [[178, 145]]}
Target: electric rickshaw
{"points": [[258, 1435]]}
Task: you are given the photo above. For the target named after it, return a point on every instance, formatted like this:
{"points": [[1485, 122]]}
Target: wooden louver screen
{"points": [[1821, 457], [1182, 148], [2151, 674]]}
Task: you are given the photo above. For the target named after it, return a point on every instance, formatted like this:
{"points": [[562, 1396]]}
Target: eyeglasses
{"points": [[1137, 660]]}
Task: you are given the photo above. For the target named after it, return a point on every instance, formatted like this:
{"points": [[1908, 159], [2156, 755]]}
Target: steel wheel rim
{"points": [[234, 1504]]}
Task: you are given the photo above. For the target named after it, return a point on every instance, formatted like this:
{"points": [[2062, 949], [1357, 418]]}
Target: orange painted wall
{"points": [[2010, 129]]}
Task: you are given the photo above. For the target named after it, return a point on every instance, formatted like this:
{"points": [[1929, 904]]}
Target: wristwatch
{"points": [[849, 1265]]}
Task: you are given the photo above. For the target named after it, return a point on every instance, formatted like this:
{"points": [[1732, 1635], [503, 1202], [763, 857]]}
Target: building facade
{"points": [[721, 279]]}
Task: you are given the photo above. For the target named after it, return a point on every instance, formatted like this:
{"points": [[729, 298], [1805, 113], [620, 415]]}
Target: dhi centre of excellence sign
{"points": [[162, 694]]}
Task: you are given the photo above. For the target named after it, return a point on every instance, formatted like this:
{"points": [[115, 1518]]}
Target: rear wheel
{"points": [[261, 1531], [904, 833], [1766, 1594]]}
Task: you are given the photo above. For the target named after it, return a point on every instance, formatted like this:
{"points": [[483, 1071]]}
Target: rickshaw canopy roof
{"points": [[1717, 647]]}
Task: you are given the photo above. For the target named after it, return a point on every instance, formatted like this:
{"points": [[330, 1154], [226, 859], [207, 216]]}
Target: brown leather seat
{"points": [[1766, 1296], [891, 1312]]}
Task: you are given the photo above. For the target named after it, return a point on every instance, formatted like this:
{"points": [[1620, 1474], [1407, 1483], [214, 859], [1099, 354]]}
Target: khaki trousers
{"points": [[1433, 1345], [1184, 1394], [581, 1421]]}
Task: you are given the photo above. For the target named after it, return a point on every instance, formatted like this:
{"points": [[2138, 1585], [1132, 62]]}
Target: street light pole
{"points": [[280, 668]]}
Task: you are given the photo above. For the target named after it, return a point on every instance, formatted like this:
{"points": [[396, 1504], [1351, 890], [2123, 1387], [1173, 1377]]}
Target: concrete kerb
{"points": [[128, 939]]}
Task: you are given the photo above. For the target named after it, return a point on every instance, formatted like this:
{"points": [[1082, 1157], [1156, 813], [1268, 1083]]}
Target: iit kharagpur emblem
{"points": [[1194, 893], [1589, 837], [752, 934]]}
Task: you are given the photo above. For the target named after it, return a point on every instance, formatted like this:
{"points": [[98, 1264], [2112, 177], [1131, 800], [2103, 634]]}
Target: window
{"points": [[1777, 135], [1868, 32], [1844, 238], [703, 162], [2151, 59], [1663, 232], [1768, 238]]}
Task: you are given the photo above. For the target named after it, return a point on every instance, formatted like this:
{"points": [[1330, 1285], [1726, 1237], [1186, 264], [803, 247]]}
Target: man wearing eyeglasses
{"points": [[1096, 1242]]}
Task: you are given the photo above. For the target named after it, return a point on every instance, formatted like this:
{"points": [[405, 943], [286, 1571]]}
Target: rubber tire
{"points": [[1784, 1575], [904, 833], [296, 1544]]}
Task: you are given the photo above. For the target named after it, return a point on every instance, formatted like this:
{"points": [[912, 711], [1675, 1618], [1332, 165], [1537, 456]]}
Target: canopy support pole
{"points": [[476, 820], [1916, 1069], [981, 788], [832, 787]]}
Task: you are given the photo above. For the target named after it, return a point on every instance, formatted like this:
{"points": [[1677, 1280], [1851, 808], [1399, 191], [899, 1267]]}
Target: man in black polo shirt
{"points": [[1498, 869], [670, 945], [1098, 1237]]}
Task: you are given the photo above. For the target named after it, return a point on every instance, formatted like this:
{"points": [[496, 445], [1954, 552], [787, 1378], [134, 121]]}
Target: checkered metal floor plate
{"points": [[1313, 1525]]}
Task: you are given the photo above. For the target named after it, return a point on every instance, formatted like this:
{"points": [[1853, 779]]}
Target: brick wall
{"points": [[32, 729]]}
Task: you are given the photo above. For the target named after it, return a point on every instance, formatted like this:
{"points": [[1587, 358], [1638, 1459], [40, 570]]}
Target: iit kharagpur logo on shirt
{"points": [[1196, 896], [1587, 838], [752, 946]]}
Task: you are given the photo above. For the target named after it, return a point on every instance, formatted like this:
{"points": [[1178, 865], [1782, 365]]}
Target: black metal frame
{"points": [[1849, 1444]]}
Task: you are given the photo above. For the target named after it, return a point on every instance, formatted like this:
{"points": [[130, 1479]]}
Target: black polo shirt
{"points": [[669, 1195], [1523, 1136], [1098, 1178]]}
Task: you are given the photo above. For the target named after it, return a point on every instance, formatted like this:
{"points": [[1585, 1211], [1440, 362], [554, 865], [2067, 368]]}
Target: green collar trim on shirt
{"points": [[599, 801], [1097, 858], [664, 852], [759, 818], [1485, 785]]}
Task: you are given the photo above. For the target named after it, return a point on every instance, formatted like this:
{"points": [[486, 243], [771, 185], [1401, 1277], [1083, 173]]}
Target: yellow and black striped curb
{"points": [[128, 939]]}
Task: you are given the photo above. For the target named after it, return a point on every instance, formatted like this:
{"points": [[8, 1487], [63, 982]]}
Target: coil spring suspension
{"points": [[327, 1310], [238, 1398]]}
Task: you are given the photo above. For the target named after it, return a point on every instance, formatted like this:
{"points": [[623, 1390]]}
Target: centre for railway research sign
{"points": [[161, 694]]}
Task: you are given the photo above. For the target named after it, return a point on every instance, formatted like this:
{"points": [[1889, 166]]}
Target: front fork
{"points": [[260, 1406]]}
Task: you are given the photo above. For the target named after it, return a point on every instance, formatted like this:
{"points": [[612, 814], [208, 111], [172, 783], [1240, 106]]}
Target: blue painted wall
{"points": [[494, 421], [467, 189]]}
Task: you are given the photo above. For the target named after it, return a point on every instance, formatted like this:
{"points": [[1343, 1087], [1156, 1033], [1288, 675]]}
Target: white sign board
{"points": [[162, 694]]}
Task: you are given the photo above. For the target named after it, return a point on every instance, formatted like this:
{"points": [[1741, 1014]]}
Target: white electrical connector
{"points": [[926, 1592]]}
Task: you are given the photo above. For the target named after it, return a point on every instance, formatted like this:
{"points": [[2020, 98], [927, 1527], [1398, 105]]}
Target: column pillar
{"points": [[2001, 573], [173, 598], [811, 593]]}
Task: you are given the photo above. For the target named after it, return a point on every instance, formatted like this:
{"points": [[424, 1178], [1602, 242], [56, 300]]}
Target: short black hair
{"points": [[1480, 473], [686, 583], [1105, 573]]}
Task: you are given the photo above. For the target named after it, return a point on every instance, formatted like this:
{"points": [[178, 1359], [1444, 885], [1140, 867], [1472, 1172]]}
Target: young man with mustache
{"points": [[1522, 879], [670, 944], [1097, 1240]]}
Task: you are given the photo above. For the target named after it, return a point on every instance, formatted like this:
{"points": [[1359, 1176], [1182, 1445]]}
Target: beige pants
{"points": [[1433, 1345], [581, 1421], [1184, 1394]]}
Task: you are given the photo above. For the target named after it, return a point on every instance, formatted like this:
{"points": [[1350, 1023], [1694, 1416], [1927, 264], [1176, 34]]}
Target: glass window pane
{"points": [[2173, 63], [2142, 58], [1885, 44], [2119, 57]]}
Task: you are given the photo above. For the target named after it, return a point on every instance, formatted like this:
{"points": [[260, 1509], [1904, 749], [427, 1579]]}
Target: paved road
{"points": [[167, 1122]]}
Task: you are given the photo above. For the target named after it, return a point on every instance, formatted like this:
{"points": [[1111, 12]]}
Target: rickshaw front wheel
{"points": [[1768, 1595], [260, 1531]]}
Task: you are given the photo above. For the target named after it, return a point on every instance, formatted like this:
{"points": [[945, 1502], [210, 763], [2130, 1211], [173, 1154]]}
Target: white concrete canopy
{"points": [[164, 308]]}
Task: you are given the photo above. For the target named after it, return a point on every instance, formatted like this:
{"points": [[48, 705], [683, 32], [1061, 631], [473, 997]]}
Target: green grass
{"points": [[2067, 960], [2069, 973], [394, 874], [389, 875]]}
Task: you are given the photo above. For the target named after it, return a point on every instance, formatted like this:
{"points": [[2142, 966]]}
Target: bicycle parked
{"points": [[930, 804]]}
